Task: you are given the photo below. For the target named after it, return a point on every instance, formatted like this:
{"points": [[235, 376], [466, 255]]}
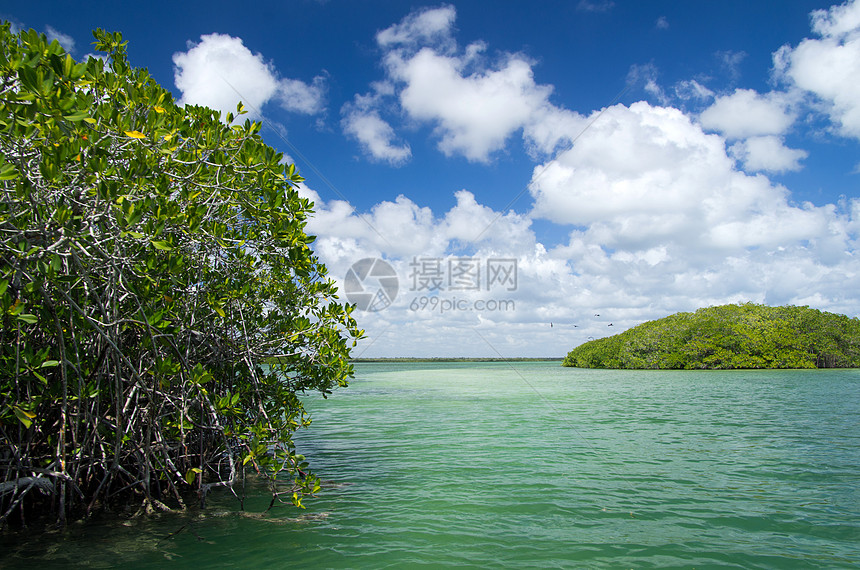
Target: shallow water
{"points": [[534, 465]]}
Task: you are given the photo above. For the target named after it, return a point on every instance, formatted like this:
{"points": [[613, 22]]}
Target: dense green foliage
{"points": [[730, 336], [161, 307]]}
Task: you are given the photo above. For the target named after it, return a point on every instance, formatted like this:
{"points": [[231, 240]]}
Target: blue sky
{"points": [[634, 158]]}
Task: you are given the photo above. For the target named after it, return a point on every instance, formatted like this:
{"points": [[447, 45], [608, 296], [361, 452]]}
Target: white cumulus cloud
{"points": [[376, 136], [475, 103], [428, 26], [362, 121], [65, 40], [767, 153], [746, 113], [828, 66], [220, 71], [646, 176], [474, 113]]}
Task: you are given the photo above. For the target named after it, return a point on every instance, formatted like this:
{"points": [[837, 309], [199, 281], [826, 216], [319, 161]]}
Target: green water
{"points": [[532, 465]]}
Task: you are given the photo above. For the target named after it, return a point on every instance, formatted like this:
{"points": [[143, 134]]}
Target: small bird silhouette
{"points": [[596, 314], [609, 325]]}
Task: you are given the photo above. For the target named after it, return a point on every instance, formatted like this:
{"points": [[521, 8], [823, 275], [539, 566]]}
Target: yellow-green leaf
{"points": [[192, 474], [135, 134], [297, 501], [163, 245], [24, 417]]}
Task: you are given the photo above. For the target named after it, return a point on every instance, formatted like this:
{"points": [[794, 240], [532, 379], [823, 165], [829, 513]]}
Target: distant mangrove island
{"points": [[729, 337]]}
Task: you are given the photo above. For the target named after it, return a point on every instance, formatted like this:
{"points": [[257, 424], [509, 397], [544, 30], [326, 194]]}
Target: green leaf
{"points": [[199, 375], [8, 172], [77, 116], [28, 318], [50, 363], [24, 417], [78, 71], [162, 245], [154, 318]]}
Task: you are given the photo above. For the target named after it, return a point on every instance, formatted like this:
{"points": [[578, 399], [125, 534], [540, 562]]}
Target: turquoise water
{"points": [[531, 465]]}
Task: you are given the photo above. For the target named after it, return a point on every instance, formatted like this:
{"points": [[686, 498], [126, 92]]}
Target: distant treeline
{"points": [[454, 359], [730, 336]]}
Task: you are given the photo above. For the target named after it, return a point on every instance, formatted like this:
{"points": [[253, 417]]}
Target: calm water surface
{"points": [[531, 465]]}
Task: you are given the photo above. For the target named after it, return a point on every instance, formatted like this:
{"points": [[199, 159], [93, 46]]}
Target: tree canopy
{"points": [[730, 336], [162, 309]]}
